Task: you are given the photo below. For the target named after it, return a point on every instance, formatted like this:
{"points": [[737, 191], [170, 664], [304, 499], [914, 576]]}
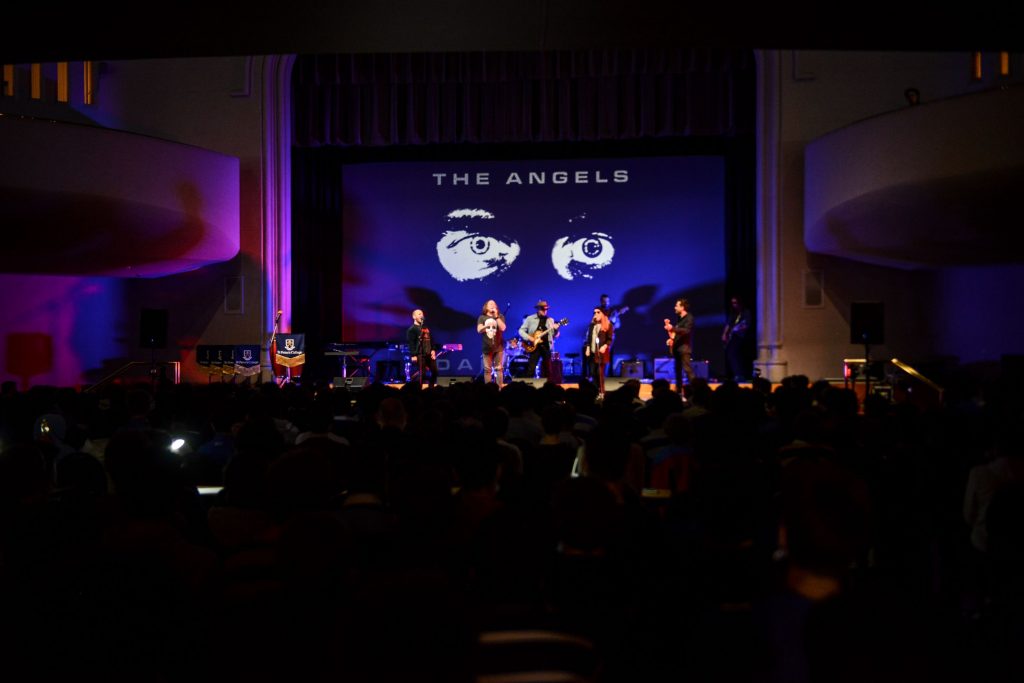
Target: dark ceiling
{"points": [[36, 32]]}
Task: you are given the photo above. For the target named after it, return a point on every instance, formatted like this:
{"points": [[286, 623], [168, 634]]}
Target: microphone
{"points": [[278, 318]]}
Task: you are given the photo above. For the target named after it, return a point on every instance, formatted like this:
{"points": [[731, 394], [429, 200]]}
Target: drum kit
{"points": [[517, 360]]}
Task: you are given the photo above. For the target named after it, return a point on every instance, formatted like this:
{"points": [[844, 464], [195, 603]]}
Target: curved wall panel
{"points": [[932, 185], [79, 200]]}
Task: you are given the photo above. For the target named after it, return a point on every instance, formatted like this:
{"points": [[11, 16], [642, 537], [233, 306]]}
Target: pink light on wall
{"points": [[55, 330], [108, 202]]}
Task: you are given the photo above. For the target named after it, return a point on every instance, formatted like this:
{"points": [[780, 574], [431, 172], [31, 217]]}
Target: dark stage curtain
{"points": [[413, 99], [508, 105]]}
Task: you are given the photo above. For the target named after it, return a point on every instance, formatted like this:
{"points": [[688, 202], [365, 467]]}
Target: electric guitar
{"points": [[530, 344], [738, 326]]}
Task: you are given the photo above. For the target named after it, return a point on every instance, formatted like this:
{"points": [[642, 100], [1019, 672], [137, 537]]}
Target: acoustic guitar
{"points": [[531, 344]]}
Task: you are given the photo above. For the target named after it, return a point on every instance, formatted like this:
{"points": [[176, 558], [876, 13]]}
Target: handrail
{"points": [[916, 375], [900, 365], [176, 365]]}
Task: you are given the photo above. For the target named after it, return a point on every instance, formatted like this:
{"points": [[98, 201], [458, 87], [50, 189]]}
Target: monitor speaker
{"points": [[354, 383], [153, 328], [614, 383], [867, 322], [447, 381], [632, 369]]}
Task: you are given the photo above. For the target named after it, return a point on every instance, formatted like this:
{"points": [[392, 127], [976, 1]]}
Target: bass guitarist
{"points": [[538, 332]]}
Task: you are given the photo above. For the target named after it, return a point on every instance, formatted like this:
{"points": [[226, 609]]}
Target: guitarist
{"points": [[679, 342], [539, 329], [734, 336], [612, 313]]}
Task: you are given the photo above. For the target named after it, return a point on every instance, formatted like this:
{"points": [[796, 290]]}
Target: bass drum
{"points": [[517, 367]]}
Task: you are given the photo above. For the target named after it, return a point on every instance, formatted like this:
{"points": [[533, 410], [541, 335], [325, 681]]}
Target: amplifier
{"points": [[556, 370], [664, 368], [631, 369]]}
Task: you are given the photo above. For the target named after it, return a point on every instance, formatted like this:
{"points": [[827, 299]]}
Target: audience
{"points": [[742, 534]]}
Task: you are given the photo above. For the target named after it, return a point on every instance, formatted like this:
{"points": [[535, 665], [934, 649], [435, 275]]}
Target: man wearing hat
{"points": [[538, 329]]}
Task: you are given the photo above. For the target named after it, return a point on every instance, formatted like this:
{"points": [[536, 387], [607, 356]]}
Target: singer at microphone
{"points": [[491, 328]]}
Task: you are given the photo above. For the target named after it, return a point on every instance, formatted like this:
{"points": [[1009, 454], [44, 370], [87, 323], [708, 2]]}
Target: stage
{"points": [[611, 384]]}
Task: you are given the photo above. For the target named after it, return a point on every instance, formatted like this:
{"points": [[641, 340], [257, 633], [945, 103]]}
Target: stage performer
{"points": [[597, 349], [679, 342], [491, 328], [421, 348], [613, 312], [734, 336], [537, 332]]}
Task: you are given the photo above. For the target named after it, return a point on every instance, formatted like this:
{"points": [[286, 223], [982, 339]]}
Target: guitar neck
{"points": [[539, 335]]}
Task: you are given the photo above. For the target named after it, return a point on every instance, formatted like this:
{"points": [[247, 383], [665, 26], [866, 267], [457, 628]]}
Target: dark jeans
{"points": [[596, 370], [736, 366], [426, 363], [543, 352], [682, 366]]}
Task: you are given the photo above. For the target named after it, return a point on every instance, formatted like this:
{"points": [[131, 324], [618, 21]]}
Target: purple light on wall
{"points": [[109, 202], [56, 329]]}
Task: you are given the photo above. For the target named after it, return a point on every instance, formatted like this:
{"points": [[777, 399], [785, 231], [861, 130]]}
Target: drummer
{"points": [[491, 328]]}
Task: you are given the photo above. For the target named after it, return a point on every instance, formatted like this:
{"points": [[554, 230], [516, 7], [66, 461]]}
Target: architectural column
{"points": [[277, 189], [770, 361]]}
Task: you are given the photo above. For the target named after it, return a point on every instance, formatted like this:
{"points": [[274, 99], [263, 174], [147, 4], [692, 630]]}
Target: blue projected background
{"points": [[447, 236]]}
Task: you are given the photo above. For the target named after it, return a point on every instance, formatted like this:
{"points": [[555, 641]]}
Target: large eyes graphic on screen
{"points": [[469, 251], [577, 257]]}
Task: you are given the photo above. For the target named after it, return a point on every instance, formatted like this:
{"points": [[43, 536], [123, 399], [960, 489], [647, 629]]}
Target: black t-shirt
{"points": [[419, 341]]}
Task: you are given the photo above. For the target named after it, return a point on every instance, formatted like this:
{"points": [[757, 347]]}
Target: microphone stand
{"points": [[422, 359], [272, 346]]}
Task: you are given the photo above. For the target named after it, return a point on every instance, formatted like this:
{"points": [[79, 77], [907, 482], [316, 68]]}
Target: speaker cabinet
{"points": [[632, 369], [536, 382], [867, 322], [153, 328], [614, 383], [664, 368]]}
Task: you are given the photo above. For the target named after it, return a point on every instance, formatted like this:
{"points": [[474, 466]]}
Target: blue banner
{"points": [[205, 355], [291, 350], [226, 359], [247, 360]]}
